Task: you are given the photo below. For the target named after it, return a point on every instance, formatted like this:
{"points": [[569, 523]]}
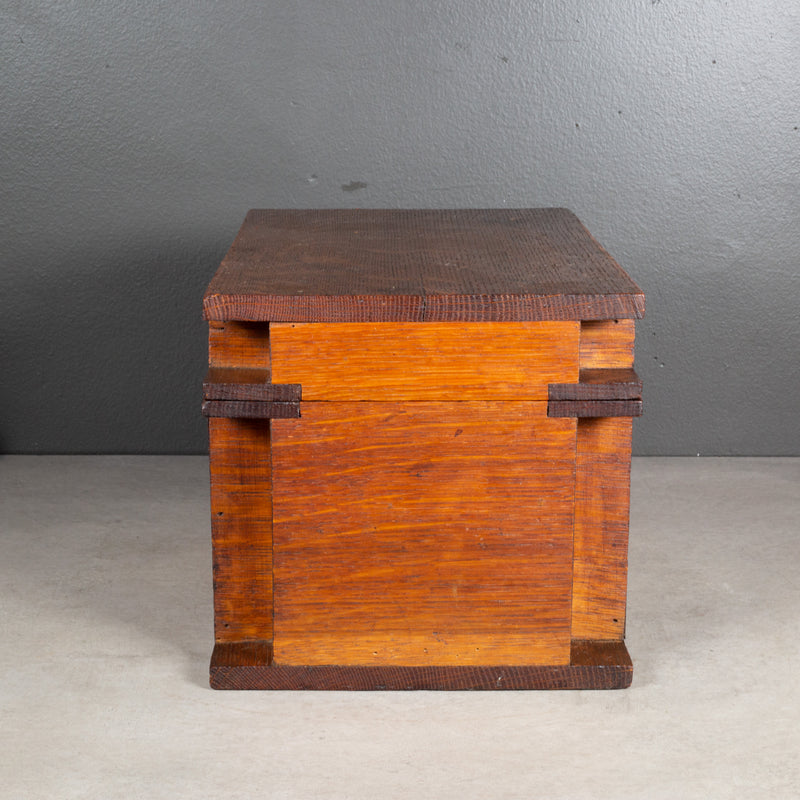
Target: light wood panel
{"points": [[607, 344], [602, 490], [241, 528], [423, 533], [425, 361], [239, 344]]}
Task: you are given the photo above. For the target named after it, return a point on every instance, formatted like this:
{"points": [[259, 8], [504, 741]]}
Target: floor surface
{"points": [[106, 631]]}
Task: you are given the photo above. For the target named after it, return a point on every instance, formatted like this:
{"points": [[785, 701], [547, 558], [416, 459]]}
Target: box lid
{"points": [[375, 265]]}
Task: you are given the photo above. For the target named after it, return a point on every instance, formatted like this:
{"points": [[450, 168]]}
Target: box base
{"points": [[593, 665]]}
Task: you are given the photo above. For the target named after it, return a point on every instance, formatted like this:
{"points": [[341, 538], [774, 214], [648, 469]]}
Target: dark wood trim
{"points": [[250, 409], [599, 384], [418, 265], [594, 408], [431, 308], [593, 665], [234, 383]]}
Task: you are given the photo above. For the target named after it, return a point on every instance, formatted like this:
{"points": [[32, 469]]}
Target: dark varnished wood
{"points": [[599, 384], [232, 383], [592, 665], [594, 408], [250, 409], [375, 265]]}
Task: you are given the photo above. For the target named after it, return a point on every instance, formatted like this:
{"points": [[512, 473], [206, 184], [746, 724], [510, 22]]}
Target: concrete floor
{"points": [[105, 608]]}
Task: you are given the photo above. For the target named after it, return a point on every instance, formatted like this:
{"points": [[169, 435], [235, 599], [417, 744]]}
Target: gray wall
{"points": [[136, 135]]}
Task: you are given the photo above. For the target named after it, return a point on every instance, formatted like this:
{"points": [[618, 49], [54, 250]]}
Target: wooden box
{"points": [[420, 427]]}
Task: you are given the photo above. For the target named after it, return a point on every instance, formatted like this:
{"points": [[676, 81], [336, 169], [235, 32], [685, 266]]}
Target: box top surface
{"points": [[376, 265]]}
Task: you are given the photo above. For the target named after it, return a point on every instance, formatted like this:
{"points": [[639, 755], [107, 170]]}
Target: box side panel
{"points": [[423, 534], [425, 361]]}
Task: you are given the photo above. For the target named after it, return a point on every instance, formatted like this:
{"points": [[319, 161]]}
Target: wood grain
{"points": [[607, 345], [423, 533], [251, 409], [425, 361], [373, 265], [244, 345], [594, 408], [592, 665], [232, 383], [599, 384], [241, 528], [602, 491]]}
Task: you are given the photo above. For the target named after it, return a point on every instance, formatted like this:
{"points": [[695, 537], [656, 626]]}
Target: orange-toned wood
{"points": [[425, 360], [241, 528], [607, 344], [239, 344], [423, 533], [602, 488]]}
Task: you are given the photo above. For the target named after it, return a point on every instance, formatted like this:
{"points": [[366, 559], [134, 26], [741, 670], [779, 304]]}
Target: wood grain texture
{"points": [[592, 665], [425, 361], [607, 345], [241, 528], [423, 533], [602, 492], [369, 265], [594, 408], [232, 383], [250, 409], [244, 345], [599, 384]]}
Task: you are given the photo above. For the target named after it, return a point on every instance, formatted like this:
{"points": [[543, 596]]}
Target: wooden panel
{"points": [[607, 344], [423, 533], [425, 361], [602, 490], [593, 665], [370, 265], [238, 344], [241, 528]]}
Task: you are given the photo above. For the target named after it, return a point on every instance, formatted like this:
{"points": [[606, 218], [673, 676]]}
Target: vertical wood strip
{"points": [[241, 528], [241, 496]]}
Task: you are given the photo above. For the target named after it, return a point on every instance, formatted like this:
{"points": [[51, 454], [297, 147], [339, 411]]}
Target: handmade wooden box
{"points": [[420, 427]]}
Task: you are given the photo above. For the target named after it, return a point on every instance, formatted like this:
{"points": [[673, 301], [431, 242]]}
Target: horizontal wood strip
{"points": [[594, 408], [423, 533], [250, 409], [428, 361], [592, 665], [231, 383], [599, 384], [412, 308]]}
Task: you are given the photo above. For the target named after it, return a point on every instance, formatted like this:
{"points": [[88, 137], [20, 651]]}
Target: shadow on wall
{"points": [[106, 347]]}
